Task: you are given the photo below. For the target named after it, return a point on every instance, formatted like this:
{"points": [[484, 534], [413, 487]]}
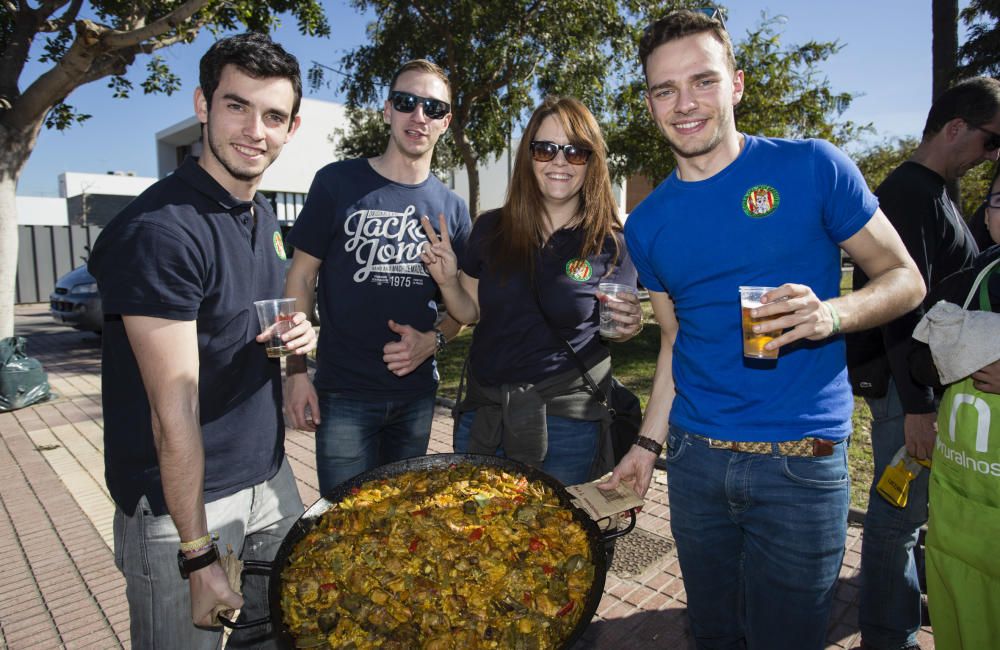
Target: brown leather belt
{"points": [[806, 447]]}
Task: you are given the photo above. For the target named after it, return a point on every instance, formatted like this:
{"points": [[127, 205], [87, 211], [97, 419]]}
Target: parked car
{"points": [[76, 302]]}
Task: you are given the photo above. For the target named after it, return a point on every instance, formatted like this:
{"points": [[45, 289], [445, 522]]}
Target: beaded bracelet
{"points": [[199, 544]]}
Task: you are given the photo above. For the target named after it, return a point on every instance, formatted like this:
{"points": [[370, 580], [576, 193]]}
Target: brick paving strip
{"points": [[58, 583]]}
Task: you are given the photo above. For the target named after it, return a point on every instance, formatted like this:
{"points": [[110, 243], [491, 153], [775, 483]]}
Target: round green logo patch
{"points": [[760, 201], [279, 245], [579, 270]]}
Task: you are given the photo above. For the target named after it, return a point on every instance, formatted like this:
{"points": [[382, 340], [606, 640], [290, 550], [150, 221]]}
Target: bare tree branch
{"points": [[166, 41], [120, 40], [52, 86], [45, 8], [65, 20], [18, 47]]}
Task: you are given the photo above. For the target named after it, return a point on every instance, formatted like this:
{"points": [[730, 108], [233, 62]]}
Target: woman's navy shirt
{"points": [[512, 342]]}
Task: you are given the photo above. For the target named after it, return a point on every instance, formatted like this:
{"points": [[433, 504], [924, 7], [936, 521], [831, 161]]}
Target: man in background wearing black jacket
{"points": [[962, 130]]}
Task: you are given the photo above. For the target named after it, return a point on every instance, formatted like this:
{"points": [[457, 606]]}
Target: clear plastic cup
{"points": [[275, 317], [609, 326], [753, 344]]}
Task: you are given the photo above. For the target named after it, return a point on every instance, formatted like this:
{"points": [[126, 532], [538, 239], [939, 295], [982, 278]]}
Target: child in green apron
{"points": [[963, 539]]}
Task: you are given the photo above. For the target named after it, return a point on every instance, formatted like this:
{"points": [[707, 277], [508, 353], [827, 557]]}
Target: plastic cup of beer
{"points": [[609, 326], [753, 344], [276, 318]]}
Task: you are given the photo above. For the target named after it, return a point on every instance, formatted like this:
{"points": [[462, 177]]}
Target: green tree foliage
{"points": [[366, 134], [878, 160], [980, 54], [81, 41], [784, 96], [500, 56], [975, 186]]}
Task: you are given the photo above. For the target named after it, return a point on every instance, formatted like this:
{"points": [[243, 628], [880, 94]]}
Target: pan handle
{"points": [[615, 534], [257, 567], [252, 567]]}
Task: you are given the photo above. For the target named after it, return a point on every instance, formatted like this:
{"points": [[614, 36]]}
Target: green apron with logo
{"points": [[963, 537]]}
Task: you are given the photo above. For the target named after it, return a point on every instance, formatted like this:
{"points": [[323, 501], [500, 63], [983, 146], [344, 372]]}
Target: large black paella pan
{"points": [[383, 598]]}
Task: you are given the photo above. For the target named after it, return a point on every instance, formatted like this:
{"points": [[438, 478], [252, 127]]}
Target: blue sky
{"points": [[886, 59]]}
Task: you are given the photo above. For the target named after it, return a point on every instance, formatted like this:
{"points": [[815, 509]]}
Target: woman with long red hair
{"points": [[529, 278]]}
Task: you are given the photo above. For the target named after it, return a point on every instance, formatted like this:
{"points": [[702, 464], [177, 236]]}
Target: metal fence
{"points": [[45, 253]]}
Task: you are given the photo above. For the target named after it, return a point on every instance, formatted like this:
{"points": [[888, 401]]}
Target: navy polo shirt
{"points": [[187, 250], [512, 342]]}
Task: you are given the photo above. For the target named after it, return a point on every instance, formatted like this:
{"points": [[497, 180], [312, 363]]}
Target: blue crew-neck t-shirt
{"points": [[775, 215], [366, 230], [512, 342]]}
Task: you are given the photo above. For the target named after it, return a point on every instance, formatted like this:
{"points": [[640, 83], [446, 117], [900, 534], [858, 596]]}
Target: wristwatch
{"points": [[440, 339], [188, 565]]}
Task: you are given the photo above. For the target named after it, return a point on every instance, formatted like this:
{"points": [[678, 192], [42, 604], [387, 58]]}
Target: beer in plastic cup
{"points": [[753, 344], [609, 326], [276, 318]]}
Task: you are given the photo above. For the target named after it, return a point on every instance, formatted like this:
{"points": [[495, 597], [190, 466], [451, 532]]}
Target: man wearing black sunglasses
{"points": [[962, 131], [360, 234], [756, 453]]}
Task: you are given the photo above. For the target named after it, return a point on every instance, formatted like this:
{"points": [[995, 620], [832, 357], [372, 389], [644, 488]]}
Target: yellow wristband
{"points": [[201, 542], [835, 317]]}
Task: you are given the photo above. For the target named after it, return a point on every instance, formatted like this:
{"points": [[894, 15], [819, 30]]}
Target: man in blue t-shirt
{"points": [[372, 399], [757, 471], [193, 433]]}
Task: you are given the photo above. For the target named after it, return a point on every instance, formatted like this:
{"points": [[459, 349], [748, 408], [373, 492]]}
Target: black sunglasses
{"points": [[649, 32], [407, 103], [713, 13], [993, 142], [544, 151]]}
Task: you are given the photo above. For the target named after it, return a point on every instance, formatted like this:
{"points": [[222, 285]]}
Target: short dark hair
{"points": [[425, 66], [257, 56], [975, 100], [681, 23]]}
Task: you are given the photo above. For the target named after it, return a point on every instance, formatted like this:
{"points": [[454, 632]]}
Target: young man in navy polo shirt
{"points": [[757, 467], [359, 233], [194, 436]]}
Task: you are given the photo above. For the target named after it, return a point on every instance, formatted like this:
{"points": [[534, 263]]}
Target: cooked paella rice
{"points": [[464, 557]]}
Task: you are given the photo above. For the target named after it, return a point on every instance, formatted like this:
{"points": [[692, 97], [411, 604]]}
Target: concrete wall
{"points": [[114, 184], [45, 254], [95, 209], [311, 148], [41, 211]]}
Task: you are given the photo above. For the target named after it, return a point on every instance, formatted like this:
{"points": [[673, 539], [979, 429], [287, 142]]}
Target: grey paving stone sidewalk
{"points": [[58, 583]]}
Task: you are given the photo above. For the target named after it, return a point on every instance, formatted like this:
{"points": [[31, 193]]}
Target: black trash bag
{"points": [[22, 380]]}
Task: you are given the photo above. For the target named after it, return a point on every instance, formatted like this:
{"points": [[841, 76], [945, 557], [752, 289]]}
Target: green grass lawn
{"points": [[634, 363]]}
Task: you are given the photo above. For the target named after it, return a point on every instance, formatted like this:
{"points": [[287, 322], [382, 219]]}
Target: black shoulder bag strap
{"points": [[599, 394]]}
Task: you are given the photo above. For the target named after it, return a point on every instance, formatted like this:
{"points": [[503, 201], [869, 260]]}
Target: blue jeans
{"points": [[253, 521], [889, 610], [356, 435], [760, 539], [571, 451]]}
